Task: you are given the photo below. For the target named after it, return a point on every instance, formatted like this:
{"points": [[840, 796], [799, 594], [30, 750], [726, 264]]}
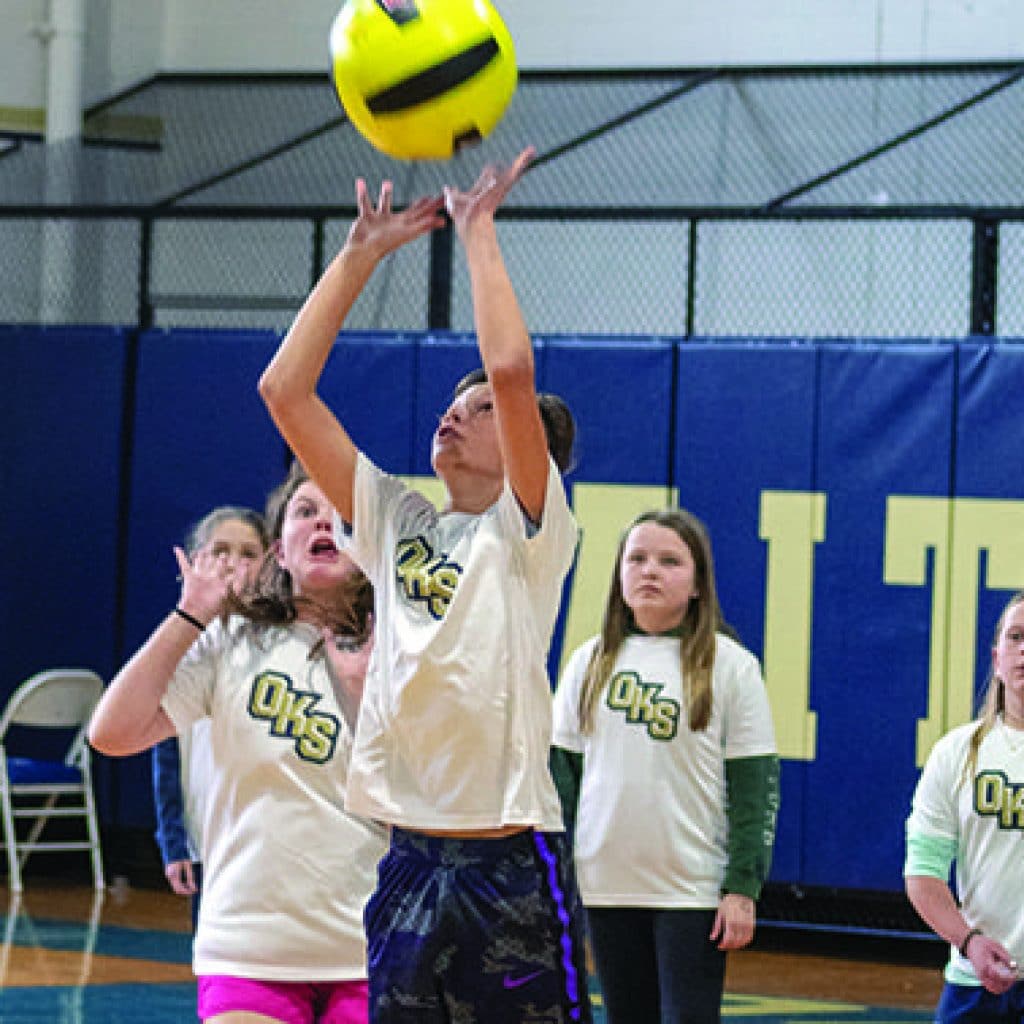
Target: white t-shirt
{"points": [[287, 870], [985, 817], [651, 827], [195, 773], [455, 724]]}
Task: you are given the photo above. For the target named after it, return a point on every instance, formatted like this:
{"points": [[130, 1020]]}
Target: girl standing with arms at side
{"points": [[230, 541], [287, 869], [474, 917], [678, 785], [968, 808]]}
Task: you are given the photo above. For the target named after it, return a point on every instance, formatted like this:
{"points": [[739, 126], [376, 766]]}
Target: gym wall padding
{"points": [[989, 454], [371, 386], [868, 645], [746, 421], [898, 461], [59, 477]]}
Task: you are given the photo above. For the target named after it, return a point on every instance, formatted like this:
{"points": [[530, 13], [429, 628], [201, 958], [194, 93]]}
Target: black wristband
{"points": [[190, 619], [967, 940]]}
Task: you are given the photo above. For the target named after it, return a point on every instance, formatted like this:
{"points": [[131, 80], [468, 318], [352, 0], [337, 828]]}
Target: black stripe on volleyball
{"points": [[435, 81], [401, 12]]}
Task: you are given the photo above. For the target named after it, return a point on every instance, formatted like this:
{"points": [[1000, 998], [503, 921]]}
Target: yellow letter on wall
{"points": [[792, 522]]}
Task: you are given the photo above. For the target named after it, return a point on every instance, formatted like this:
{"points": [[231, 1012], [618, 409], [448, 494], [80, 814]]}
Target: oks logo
{"points": [[642, 705], [292, 715], [426, 577], [997, 797]]}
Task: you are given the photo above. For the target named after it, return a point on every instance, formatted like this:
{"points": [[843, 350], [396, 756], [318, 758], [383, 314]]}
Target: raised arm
{"points": [[504, 342], [128, 718], [288, 385]]}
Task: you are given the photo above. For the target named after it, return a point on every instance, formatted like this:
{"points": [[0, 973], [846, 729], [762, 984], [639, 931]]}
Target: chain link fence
{"points": [[837, 278], [710, 203]]}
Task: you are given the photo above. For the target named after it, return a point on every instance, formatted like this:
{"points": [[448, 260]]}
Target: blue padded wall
{"points": [[988, 447], [885, 417], [855, 426], [370, 382], [745, 423], [59, 474]]}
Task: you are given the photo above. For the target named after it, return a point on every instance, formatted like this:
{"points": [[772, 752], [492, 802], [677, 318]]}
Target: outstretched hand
{"points": [[487, 193], [380, 229], [204, 586]]}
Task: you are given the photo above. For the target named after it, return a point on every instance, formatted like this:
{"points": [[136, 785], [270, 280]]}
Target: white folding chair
{"points": [[62, 698]]}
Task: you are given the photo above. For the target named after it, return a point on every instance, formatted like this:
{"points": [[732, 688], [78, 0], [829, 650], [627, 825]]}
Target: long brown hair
{"points": [[701, 622], [272, 600], [994, 702]]}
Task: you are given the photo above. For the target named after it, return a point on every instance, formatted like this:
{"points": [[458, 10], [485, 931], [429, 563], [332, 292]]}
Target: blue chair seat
{"points": [[24, 771]]}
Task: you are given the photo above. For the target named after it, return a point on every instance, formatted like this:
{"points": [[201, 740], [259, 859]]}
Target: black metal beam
{"points": [[439, 297], [984, 271]]}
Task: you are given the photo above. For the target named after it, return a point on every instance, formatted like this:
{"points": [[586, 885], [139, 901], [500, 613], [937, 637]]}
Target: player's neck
{"points": [[1013, 719], [472, 495]]}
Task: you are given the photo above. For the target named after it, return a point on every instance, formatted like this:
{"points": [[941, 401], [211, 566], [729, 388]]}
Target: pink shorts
{"points": [[291, 1002]]}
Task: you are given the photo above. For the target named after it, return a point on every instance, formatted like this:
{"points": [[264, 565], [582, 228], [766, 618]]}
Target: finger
{"points": [[174, 880], [449, 199], [184, 567], [523, 161], [426, 216], [384, 202], [203, 562], [426, 207], [363, 204], [488, 176], [734, 937]]}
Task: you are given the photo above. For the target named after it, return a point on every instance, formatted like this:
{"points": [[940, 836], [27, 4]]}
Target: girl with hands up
{"points": [[476, 904], [229, 542], [278, 845]]}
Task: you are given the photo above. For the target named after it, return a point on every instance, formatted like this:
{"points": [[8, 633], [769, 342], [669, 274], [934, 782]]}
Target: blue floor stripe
{"points": [[167, 1003], [111, 940], [99, 1004]]}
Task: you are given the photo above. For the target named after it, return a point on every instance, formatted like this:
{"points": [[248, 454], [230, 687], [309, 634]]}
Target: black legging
{"points": [[657, 966]]}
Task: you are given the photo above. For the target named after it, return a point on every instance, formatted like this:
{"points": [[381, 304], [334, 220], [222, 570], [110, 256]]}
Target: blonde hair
{"points": [[994, 701], [700, 624]]}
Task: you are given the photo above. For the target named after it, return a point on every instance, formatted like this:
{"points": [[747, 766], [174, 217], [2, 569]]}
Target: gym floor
{"points": [[70, 956]]}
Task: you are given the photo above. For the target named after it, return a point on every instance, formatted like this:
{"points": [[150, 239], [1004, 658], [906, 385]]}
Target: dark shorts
{"points": [[972, 1004], [482, 931]]}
